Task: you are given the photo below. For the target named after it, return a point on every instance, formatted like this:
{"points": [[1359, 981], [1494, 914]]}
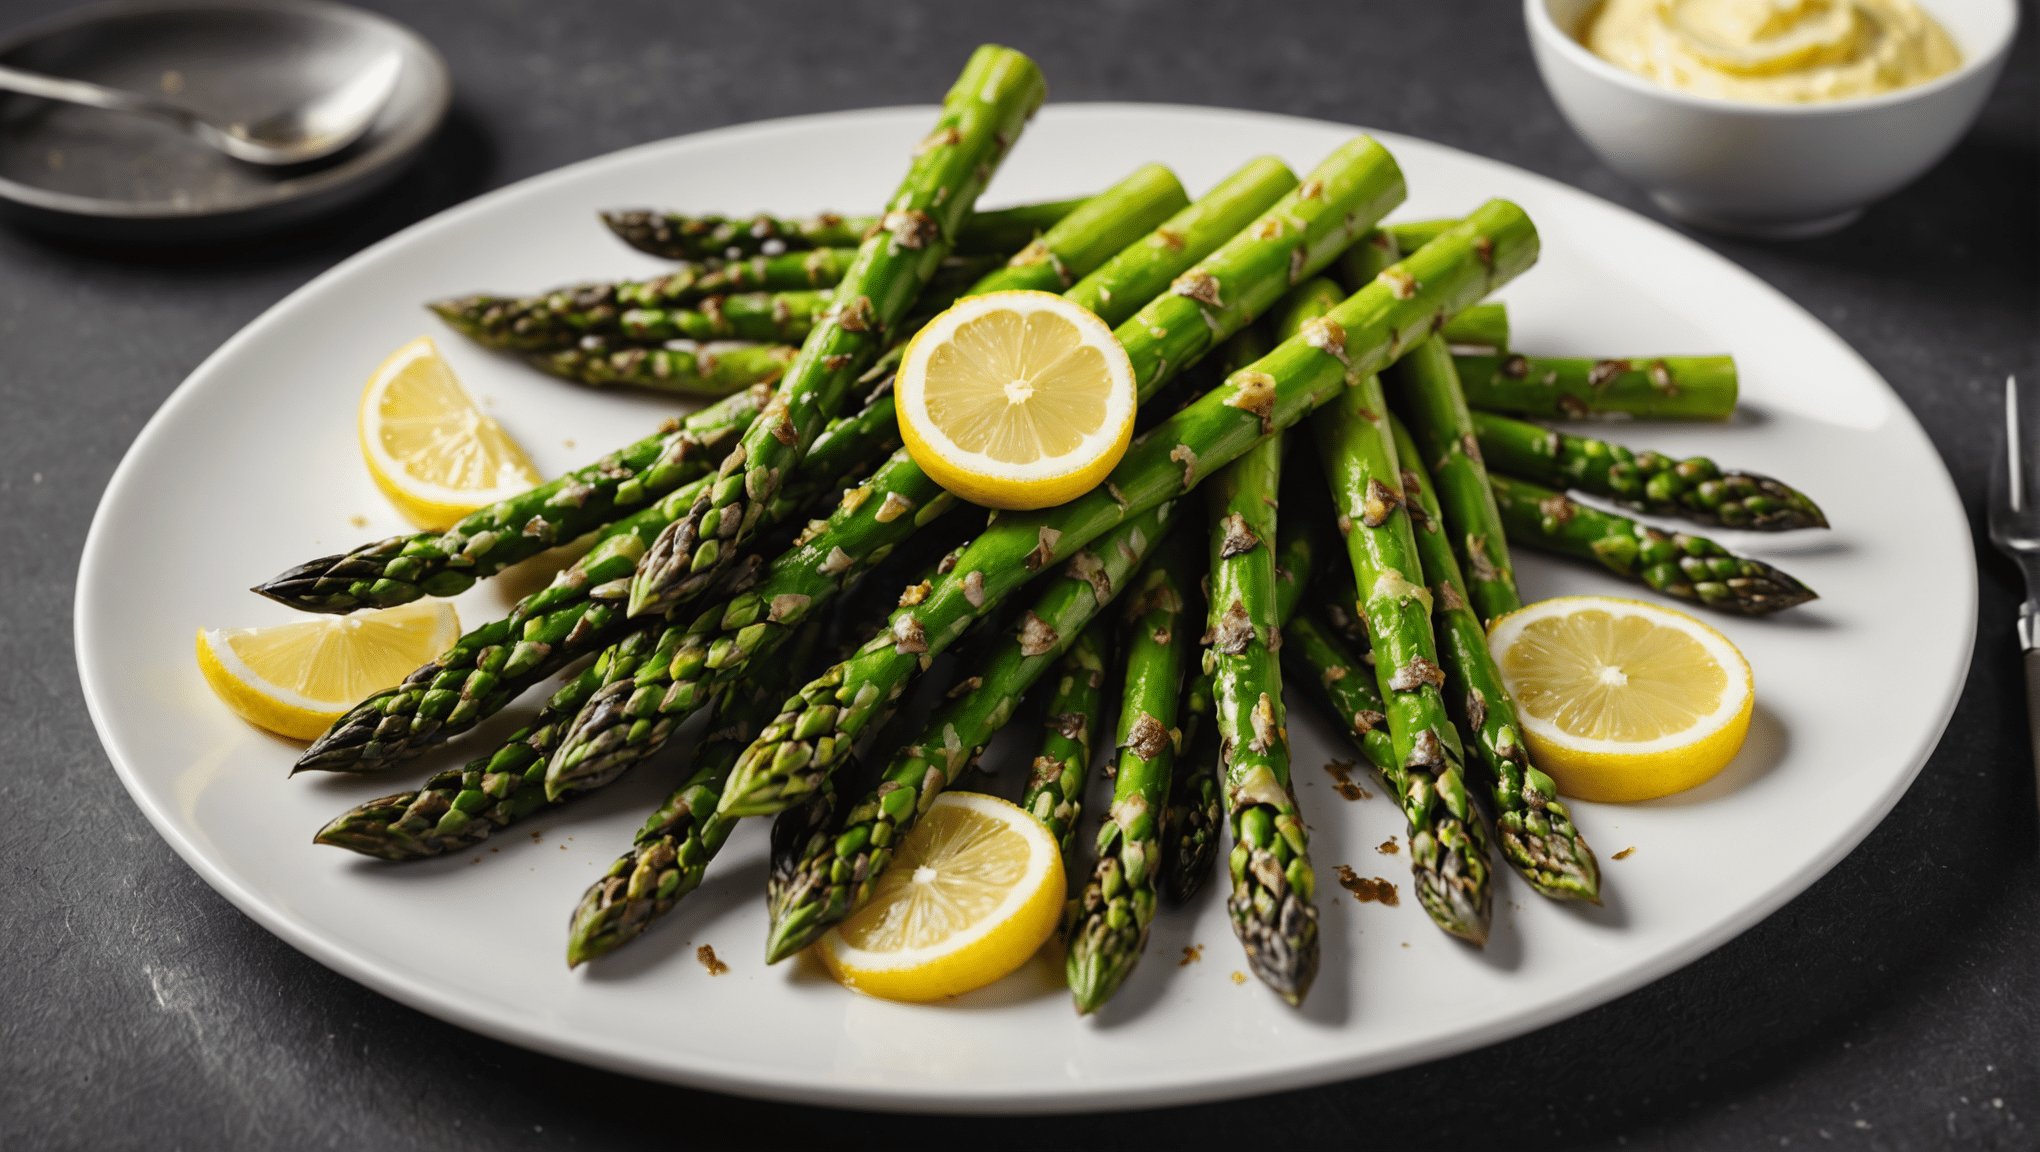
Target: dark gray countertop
{"points": [[1892, 1006]]}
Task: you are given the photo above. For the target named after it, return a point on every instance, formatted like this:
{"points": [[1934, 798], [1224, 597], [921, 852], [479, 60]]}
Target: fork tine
{"points": [[2014, 459]]}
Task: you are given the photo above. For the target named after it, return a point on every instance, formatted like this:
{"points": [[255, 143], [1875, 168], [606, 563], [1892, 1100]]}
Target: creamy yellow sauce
{"points": [[1773, 51]]}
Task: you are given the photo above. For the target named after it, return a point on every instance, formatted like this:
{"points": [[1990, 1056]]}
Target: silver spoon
{"points": [[318, 127]]}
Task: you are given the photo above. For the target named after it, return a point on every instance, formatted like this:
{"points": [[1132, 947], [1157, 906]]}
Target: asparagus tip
{"points": [[799, 928]]}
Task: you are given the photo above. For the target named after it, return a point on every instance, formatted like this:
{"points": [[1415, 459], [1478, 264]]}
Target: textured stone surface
{"points": [[1892, 1006]]}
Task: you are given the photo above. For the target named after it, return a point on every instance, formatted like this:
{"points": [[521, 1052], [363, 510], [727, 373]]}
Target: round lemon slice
{"points": [[430, 450], [975, 889], [1623, 700], [296, 679], [1016, 399]]}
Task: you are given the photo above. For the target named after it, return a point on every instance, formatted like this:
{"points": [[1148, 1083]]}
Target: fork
{"points": [[2015, 529]]}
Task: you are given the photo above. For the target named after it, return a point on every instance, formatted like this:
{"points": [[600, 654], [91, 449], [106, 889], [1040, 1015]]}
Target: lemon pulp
{"points": [[975, 889], [1620, 678], [1017, 387], [1016, 399], [429, 448], [296, 679], [1620, 699]]}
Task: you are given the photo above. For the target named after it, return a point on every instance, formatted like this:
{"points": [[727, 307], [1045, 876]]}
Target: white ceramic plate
{"points": [[251, 466]]}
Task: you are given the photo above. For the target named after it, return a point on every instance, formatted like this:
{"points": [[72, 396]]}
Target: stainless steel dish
{"points": [[86, 171]]}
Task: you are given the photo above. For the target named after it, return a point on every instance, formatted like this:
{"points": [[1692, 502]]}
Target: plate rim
{"points": [[1293, 1074]]}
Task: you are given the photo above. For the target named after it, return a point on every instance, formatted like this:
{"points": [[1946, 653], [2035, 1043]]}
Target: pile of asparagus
{"points": [[778, 559]]}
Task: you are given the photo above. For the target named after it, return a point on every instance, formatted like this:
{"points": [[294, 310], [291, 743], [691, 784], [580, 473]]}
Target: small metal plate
{"points": [[85, 171]]}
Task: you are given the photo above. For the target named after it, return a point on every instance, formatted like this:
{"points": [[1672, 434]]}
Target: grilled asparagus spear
{"points": [[676, 236], [1273, 885], [982, 116], [1689, 567], [1695, 488], [1118, 902], [1533, 824]]}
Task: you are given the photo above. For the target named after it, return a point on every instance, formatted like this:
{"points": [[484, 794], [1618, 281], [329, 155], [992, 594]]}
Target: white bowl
{"points": [[1780, 171]]}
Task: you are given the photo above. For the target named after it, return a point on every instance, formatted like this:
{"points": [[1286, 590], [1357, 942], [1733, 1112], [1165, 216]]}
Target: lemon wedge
{"points": [[296, 679], [975, 889], [1623, 700], [430, 450], [1016, 399]]}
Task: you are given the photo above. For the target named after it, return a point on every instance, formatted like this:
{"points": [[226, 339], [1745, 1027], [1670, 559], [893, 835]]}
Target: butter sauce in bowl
{"points": [[1772, 118]]}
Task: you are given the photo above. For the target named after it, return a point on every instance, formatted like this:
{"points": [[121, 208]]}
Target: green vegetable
{"points": [[681, 367], [1062, 767], [837, 876], [982, 116], [671, 853], [1273, 885], [1424, 389], [1003, 231], [1118, 903], [1689, 567], [796, 754], [1533, 824], [404, 568], [1695, 488], [1663, 388], [580, 613], [1448, 846]]}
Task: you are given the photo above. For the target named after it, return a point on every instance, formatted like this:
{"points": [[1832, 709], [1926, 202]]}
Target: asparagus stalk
{"points": [[1190, 826], [1273, 886], [665, 580], [1092, 234], [1140, 272], [1448, 846], [670, 854], [778, 317], [1482, 330], [458, 809], [1689, 567], [719, 644], [1196, 810], [1062, 768], [632, 717], [1424, 389], [1001, 231], [680, 367], [1411, 235], [786, 272], [403, 568], [1118, 902], [1358, 182], [1345, 686], [838, 875], [1663, 388], [1086, 237], [1533, 824], [579, 613], [982, 116], [1695, 488], [798, 751], [557, 320]]}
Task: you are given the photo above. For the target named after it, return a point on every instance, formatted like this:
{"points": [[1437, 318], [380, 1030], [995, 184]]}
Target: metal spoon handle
{"points": [[97, 96]]}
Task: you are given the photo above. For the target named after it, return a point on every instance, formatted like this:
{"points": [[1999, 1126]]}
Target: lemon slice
{"points": [[431, 451], [296, 679], [976, 889], [1016, 399], [1623, 700]]}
